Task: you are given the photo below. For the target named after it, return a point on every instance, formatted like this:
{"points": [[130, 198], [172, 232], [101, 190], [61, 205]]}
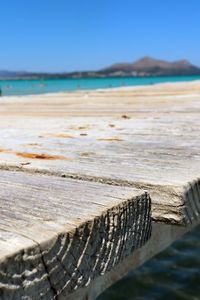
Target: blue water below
{"points": [[27, 87], [172, 275]]}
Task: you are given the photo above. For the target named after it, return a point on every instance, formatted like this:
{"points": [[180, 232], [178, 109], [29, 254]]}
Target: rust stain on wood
{"points": [[125, 117], [76, 127], [36, 155], [111, 139], [32, 145], [39, 156], [83, 127], [83, 134], [87, 153], [61, 135]]}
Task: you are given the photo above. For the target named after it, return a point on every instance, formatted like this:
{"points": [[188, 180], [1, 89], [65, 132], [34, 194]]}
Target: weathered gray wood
{"points": [[162, 237], [144, 137], [57, 235], [156, 149]]}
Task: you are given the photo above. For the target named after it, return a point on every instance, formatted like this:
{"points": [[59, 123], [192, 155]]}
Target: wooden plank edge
{"points": [[72, 260], [181, 207], [163, 235]]}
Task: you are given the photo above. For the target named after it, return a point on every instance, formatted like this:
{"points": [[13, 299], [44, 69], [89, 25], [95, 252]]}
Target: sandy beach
{"points": [[135, 101]]}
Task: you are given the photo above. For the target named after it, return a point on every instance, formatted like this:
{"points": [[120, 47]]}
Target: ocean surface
{"points": [[172, 275], [30, 87]]}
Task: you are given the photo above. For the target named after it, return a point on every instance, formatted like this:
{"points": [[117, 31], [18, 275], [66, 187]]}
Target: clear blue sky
{"points": [[65, 35]]}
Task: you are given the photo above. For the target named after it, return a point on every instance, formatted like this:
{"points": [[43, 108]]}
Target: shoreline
{"points": [[133, 88], [104, 103]]}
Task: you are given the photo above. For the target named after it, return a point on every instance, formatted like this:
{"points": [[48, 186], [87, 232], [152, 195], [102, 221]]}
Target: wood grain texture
{"points": [[73, 171], [57, 235], [162, 237], [147, 137]]}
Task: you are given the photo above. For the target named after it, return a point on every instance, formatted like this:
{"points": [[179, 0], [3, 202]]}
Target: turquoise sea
{"points": [[29, 87]]}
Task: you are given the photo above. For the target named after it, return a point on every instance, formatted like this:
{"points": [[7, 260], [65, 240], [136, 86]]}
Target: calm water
{"points": [[171, 275], [26, 87]]}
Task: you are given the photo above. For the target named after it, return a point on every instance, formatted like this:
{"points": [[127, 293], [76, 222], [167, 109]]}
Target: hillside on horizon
{"points": [[146, 66]]}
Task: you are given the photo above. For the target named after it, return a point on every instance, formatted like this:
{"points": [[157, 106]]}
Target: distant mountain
{"points": [[9, 73], [146, 66]]}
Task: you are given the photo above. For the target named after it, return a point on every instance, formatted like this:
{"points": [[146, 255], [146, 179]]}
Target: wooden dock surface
{"points": [[153, 144], [59, 223], [91, 152]]}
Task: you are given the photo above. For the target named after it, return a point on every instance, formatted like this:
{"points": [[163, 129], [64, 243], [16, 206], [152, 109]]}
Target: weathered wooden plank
{"points": [[145, 137], [162, 236], [57, 235], [156, 149], [161, 156]]}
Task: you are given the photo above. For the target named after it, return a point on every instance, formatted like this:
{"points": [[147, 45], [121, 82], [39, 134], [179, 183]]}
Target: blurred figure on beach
{"points": [[42, 83], [0, 92]]}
